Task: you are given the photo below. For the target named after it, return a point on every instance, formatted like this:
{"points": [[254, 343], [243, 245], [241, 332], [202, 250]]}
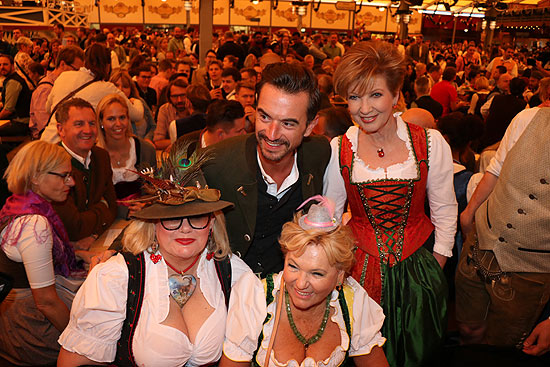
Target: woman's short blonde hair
{"points": [[139, 235], [366, 60], [339, 244], [482, 83], [105, 102], [34, 159], [126, 81]]}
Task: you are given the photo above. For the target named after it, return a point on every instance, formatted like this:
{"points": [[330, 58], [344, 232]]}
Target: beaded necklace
{"points": [[295, 330]]}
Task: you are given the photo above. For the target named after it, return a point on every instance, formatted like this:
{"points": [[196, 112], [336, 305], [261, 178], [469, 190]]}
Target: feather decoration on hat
{"points": [[176, 181]]}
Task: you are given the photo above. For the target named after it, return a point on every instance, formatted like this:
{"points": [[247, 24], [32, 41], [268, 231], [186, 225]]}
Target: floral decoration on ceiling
{"points": [[288, 14], [412, 21], [367, 19], [250, 12], [120, 9], [165, 10], [330, 16], [215, 11]]}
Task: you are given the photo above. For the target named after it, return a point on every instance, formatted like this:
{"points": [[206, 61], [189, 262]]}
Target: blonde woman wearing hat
{"points": [[310, 314], [171, 310]]}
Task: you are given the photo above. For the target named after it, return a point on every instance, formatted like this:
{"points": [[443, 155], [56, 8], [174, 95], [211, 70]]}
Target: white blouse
{"points": [[248, 310], [124, 174], [439, 185], [35, 254], [99, 310]]}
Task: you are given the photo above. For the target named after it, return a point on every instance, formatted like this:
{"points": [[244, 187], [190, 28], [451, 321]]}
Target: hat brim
{"points": [[197, 207]]}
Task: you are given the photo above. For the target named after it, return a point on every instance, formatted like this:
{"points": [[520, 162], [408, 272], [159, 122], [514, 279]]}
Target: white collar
{"points": [[85, 161]]}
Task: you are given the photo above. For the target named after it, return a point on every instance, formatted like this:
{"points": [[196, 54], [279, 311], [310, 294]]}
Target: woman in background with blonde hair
{"points": [[128, 153], [34, 250]]}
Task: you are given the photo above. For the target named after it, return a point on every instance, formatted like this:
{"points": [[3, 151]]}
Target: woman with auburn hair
{"points": [[35, 252], [386, 168], [162, 301], [311, 313]]}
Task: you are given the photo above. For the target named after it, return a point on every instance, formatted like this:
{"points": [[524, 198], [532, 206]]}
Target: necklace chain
{"points": [[184, 270], [295, 330]]}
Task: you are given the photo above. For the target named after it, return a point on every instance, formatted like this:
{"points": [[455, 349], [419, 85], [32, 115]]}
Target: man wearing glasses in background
{"points": [[69, 58]]}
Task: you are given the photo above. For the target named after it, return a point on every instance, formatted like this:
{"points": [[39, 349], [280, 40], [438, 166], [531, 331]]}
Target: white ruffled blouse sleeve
{"points": [[98, 311], [368, 318], [247, 312]]}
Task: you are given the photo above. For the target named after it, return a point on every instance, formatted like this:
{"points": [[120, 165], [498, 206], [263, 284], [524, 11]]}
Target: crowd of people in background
{"points": [[407, 137]]}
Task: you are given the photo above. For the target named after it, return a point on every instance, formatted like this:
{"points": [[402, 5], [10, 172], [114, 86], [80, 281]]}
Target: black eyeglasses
{"points": [[65, 176], [73, 67], [195, 222]]}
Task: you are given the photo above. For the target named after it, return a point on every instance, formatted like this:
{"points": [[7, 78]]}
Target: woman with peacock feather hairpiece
{"points": [[163, 300]]}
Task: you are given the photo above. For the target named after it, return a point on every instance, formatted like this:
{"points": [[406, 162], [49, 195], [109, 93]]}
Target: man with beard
{"points": [[176, 43], [172, 110], [268, 174], [16, 99]]}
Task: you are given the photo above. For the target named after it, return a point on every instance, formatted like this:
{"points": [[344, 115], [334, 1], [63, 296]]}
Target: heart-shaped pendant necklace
{"points": [[182, 285]]}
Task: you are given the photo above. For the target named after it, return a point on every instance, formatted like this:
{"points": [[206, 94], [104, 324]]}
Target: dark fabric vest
{"points": [[190, 123], [264, 255], [14, 269], [23, 104], [504, 108]]}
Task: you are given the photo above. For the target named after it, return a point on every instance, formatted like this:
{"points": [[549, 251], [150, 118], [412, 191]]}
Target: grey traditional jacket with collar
{"points": [[234, 172]]}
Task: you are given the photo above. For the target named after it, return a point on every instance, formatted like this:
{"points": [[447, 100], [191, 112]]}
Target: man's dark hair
{"points": [[517, 87], [144, 68], [199, 96], [98, 61], [60, 26], [337, 121], [9, 57], [69, 54], [293, 79], [232, 59], [502, 69], [101, 38], [62, 113], [223, 113], [37, 68], [175, 83], [233, 73], [449, 73], [325, 84], [250, 71], [433, 67], [244, 85], [165, 65]]}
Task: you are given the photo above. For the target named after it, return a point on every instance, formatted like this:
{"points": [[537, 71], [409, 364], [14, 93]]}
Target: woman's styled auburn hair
{"points": [[339, 244], [139, 235], [105, 102], [366, 60], [34, 159], [126, 81]]}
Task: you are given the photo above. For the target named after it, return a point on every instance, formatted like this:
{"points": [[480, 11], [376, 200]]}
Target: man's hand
{"points": [[466, 221], [441, 260], [84, 244], [538, 343], [101, 258]]}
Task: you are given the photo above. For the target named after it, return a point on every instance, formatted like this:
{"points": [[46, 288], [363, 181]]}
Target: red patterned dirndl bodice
{"points": [[388, 215]]}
